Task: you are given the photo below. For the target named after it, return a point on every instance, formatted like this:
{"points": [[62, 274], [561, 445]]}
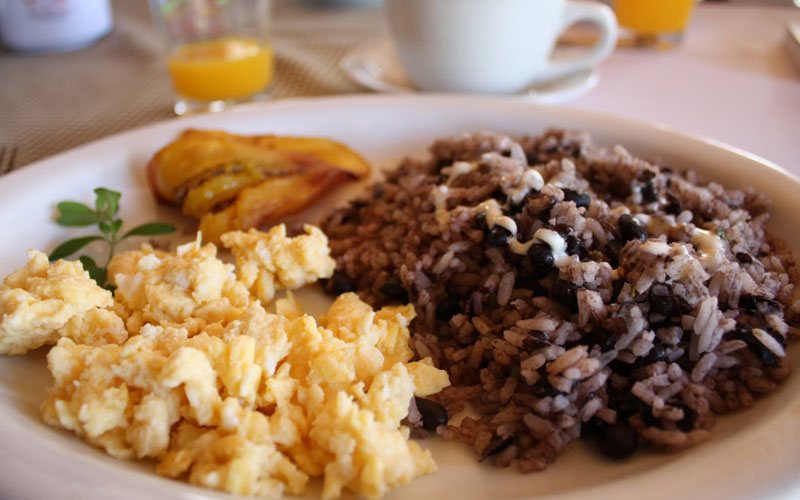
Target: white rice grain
{"points": [[703, 366], [705, 323], [567, 359], [589, 409], [542, 322], [443, 262], [505, 288], [769, 342], [537, 425], [593, 383]]}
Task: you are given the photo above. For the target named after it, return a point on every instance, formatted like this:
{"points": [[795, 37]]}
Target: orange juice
{"points": [[653, 16], [223, 68]]}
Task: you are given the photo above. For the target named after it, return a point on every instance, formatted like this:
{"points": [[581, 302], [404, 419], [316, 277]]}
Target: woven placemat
{"points": [[51, 103]]}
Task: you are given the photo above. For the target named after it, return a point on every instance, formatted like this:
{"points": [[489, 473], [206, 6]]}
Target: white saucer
{"points": [[376, 67]]}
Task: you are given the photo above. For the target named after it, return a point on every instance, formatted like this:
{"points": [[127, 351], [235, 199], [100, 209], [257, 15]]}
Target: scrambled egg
{"points": [[190, 289], [43, 302], [220, 391], [268, 262]]}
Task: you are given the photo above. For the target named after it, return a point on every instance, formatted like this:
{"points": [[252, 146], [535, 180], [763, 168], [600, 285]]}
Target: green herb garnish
{"points": [[721, 234], [74, 214]]}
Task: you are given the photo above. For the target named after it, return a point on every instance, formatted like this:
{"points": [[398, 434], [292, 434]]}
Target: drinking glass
{"points": [[653, 23], [218, 51]]}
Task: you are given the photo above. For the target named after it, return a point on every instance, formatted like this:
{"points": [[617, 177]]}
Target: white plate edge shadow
{"points": [[17, 181], [365, 64]]}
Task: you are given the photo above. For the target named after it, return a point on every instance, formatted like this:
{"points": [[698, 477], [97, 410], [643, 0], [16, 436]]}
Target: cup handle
{"points": [[600, 15]]}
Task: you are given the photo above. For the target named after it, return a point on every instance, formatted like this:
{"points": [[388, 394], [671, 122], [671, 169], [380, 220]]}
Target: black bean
{"points": [[766, 357], [664, 303], [498, 235], [622, 368], [684, 362], [649, 419], [541, 255], [394, 290], [660, 289], [498, 446], [617, 441], [535, 340], [616, 288], [499, 195], [759, 304], [591, 427], [625, 403], [673, 205], [599, 337], [480, 220], [566, 293], [686, 308], [744, 258], [563, 229], [646, 175], [657, 353], [341, 283], [433, 414], [442, 163], [745, 332], [648, 192], [580, 199], [530, 280], [631, 229], [610, 253], [689, 419], [573, 245], [447, 308]]}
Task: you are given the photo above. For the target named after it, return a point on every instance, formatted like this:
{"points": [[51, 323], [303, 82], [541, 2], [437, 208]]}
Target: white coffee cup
{"points": [[492, 46]]}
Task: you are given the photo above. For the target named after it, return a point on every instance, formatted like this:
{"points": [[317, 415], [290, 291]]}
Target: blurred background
{"points": [[732, 53]]}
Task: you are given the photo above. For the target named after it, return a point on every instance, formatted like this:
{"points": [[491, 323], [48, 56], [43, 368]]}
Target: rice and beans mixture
{"points": [[572, 291]]}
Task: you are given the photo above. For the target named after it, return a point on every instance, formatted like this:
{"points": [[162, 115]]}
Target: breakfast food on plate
{"points": [[212, 386], [268, 262], [233, 182], [572, 290], [44, 301], [555, 288]]}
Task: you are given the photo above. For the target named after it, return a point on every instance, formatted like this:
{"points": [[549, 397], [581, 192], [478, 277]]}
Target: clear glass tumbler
{"points": [[218, 51]]}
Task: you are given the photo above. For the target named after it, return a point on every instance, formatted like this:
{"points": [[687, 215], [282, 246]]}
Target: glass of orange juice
{"points": [[656, 23], [218, 51]]}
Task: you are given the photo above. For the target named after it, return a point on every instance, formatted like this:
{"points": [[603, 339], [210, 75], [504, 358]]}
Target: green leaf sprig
{"points": [[75, 214]]}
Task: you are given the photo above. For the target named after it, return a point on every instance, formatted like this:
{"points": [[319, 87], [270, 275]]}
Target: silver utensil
{"points": [[8, 155]]}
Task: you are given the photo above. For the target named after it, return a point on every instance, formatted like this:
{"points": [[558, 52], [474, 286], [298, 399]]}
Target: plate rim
{"points": [[428, 98], [39, 166]]}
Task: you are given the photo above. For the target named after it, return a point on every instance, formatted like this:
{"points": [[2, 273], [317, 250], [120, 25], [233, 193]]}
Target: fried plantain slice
{"points": [[218, 190], [198, 155], [273, 199]]}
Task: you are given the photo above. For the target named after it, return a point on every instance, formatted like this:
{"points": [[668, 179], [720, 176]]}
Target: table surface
{"points": [[731, 79]]}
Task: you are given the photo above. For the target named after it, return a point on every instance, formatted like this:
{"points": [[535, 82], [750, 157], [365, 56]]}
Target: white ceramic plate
{"points": [[376, 67], [753, 454]]}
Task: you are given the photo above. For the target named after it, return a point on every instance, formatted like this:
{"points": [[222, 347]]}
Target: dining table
{"points": [[731, 78]]}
